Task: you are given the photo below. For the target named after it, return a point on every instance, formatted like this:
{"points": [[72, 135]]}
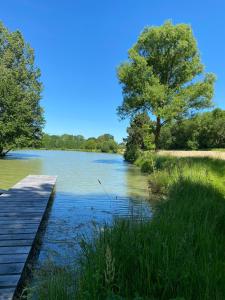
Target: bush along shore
{"points": [[178, 254]]}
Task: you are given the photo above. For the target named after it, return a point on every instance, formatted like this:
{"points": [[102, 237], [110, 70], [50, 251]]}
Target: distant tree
{"points": [[113, 146], [203, 131], [105, 137], [91, 144], [212, 129], [162, 76], [21, 118], [104, 143], [105, 147]]}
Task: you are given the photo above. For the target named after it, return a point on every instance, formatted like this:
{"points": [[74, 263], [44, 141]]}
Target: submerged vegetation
{"points": [[178, 254]]}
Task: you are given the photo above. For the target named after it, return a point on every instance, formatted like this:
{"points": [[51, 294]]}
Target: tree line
{"points": [[103, 143], [203, 131]]}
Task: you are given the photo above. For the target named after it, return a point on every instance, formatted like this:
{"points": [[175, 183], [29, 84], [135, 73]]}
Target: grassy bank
{"points": [[178, 254]]}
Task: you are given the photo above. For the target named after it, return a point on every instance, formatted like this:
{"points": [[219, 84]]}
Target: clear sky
{"points": [[79, 44]]}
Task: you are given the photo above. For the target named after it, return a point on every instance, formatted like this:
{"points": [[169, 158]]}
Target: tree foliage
{"points": [[21, 118], [139, 136], [204, 131], [164, 76]]}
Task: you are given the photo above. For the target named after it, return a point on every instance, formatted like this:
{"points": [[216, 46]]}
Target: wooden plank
{"points": [[6, 243], [9, 280], [7, 293], [25, 210], [19, 215], [21, 211], [15, 250], [23, 205], [17, 231], [13, 268], [9, 258], [21, 220], [17, 236], [3, 191], [20, 225]]}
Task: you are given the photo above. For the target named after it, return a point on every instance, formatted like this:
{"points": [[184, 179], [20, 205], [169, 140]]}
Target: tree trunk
{"points": [[157, 133], [1, 151], [4, 153]]}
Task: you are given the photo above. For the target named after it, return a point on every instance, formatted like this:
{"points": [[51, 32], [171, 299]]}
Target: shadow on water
{"points": [[108, 161], [20, 156]]}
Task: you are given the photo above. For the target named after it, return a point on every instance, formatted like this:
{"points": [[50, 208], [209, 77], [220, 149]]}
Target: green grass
{"points": [[178, 254]]}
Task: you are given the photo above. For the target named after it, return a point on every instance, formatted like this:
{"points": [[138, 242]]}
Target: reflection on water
{"points": [[92, 188]]}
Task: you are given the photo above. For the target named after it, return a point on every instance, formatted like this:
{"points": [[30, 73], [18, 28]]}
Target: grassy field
{"points": [[178, 254], [215, 153]]}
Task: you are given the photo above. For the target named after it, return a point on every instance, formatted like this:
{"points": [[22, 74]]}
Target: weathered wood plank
{"points": [[23, 205], [7, 293], [9, 280], [25, 210], [19, 225], [21, 220], [9, 258], [13, 268], [9, 242], [15, 250], [17, 231], [17, 236], [19, 215], [21, 212]]}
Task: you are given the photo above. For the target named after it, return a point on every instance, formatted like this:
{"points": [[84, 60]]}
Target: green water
{"points": [[92, 188]]}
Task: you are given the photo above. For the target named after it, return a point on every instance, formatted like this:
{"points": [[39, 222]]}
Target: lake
{"points": [[92, 189]]}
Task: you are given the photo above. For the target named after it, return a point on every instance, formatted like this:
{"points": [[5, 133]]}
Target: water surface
{"points": [[92, 188]]}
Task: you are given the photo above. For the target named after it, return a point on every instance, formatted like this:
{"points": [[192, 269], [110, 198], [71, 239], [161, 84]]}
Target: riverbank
{"points": [[119, 151], [178, 254]]}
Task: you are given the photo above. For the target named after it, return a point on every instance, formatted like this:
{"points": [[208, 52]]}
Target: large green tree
{"points": [[21, 118], [164, 76]]}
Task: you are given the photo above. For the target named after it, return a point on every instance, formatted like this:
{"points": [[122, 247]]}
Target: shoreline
{"points": [[71, 150]]}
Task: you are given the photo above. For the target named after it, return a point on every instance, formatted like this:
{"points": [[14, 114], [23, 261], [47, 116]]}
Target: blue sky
{"points": [[79, 44]]}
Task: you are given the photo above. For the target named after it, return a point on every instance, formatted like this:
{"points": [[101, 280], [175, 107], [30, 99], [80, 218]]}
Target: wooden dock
{"points": [[21, 211]]}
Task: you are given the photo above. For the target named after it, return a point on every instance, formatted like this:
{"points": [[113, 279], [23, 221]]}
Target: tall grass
{"points": [[178, 254], [52, 283]]}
